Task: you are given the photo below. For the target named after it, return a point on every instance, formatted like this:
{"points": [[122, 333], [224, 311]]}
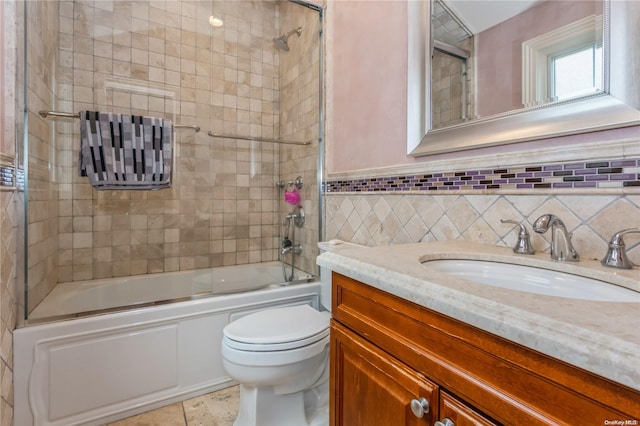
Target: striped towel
{"points": [[125, 151]]}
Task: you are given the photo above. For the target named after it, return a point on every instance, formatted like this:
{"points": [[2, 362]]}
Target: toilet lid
{"points": [[293, 326]]}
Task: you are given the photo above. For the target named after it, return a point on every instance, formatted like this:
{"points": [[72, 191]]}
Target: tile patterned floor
{"points": [[215, 409]]}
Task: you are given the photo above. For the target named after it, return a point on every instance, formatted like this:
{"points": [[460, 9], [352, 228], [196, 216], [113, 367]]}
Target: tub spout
{"points": [[561, 247]]}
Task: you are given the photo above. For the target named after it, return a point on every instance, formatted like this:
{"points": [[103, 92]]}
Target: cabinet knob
{"points": [[445, 422], [419, 407]]}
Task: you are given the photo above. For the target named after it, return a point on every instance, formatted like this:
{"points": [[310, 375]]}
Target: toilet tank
{"points": [[325, 274]]}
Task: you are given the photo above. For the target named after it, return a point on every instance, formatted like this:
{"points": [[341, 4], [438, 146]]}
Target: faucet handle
{"points": [[523, 245], [616, 256]]}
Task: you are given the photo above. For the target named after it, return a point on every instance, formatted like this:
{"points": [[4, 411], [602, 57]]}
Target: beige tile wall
{"points": [[42, 57], [8, 298], [376, 219], [447, 87], [160, 58], [10, 15], [299, 105], [163, 58]]}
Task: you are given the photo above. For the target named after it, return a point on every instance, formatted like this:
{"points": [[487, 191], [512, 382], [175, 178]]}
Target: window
{"points": [[563, 63], [576, 73]]}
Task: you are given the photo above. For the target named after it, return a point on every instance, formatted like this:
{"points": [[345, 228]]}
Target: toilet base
{"points": [[260, 406], [316, 404]]}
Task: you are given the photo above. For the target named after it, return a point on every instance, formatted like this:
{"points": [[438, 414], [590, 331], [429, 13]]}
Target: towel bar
{"points": [[46, 114], [257, 139]]}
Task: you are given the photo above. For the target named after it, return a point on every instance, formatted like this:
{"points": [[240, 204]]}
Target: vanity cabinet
{"points": [[374, 388], [459, 414], [388, 354]]}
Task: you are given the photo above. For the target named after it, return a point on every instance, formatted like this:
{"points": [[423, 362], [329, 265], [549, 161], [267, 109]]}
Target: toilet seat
{"points": [[278, 329], [274, 347]]}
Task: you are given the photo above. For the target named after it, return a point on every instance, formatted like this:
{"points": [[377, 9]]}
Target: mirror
{"points": [[489, 83]]}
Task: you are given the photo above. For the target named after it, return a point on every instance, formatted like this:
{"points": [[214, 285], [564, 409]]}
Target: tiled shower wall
{"points": [[42, 231], [164, 59], [447, 88], [300, 92], [161, 58], [10, 200]]}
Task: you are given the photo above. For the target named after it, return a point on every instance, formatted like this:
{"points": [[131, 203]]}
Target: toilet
{"points": [[280, 357]]}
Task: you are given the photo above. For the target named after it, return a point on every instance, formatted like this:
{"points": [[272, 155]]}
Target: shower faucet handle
{"points": [[523, 245], [286, 242]]}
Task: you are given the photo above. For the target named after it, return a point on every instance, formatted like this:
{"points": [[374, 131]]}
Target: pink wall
{"points": [[500, 51], [367, 93], [368, 55]]}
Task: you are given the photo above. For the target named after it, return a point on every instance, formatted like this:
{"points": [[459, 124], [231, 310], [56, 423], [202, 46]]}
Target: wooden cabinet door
{"points": [[459, 414], [371, 388]]}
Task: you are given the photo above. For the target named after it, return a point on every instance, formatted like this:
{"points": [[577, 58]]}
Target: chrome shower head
{"points": [[281, 42]]}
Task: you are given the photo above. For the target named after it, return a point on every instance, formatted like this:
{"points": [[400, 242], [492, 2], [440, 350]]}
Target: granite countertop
{"points": [[601, 337]]}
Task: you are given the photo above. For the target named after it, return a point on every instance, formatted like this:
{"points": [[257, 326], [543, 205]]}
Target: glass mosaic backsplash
{"points": [[588, 174], [10, 178], [6, 176]]}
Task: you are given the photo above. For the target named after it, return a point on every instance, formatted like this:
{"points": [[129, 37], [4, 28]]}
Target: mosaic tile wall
{"points": [[589, 174], [7, 177], [406, 209]]}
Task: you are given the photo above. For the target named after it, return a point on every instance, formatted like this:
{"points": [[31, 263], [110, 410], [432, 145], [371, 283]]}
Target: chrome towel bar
{"points": [[257, 139], [46, 114]]}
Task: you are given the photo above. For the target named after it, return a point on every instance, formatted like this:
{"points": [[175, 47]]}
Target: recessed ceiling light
{"points": [[215, 22]]}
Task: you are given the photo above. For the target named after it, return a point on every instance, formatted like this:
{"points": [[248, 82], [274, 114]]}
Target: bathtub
{"points": [[95, 296], [94, 369]]}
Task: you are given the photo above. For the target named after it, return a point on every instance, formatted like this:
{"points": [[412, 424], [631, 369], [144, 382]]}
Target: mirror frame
{"points": [[617, 106]]}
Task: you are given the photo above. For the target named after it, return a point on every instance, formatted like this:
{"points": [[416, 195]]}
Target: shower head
{"points": [[281, 42]]}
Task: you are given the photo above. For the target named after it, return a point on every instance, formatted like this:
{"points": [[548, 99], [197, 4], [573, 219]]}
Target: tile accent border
{"points": [[8, 174], [571, 175]]}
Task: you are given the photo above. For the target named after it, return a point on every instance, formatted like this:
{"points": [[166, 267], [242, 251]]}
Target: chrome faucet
{"points": [[561, 247], [523, 245], [616, 256], [295, 249]]}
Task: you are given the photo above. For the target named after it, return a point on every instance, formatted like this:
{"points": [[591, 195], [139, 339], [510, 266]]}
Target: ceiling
{"points": [[478, 15]]}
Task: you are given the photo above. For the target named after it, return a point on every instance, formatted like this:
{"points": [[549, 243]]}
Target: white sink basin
{"points": [[533, 280]]}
